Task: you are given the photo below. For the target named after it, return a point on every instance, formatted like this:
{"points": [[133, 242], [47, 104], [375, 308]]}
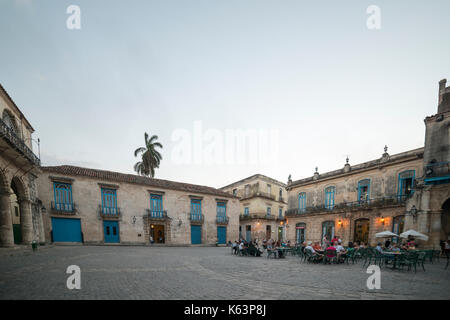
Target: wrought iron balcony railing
{"points": [[259, 194], [362, 204], [109, 211], [222, 219], [257, 216], [66, 208], [156, 214], [17, 143], [196, 217]]}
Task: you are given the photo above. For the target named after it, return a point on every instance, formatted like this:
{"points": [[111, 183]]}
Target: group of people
{"points": [[319, 251], [257, 248], [246, 247]]}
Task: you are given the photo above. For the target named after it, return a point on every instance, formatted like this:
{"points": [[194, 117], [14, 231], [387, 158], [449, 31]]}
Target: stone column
{"points": [[435, 230], [26, 221], [41, 227], [6, 227]]}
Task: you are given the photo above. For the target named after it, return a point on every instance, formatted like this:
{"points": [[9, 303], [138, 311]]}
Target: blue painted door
{"points": [[196, 234], [66, 230], [222, 235], [111, 231], [248, 233]]}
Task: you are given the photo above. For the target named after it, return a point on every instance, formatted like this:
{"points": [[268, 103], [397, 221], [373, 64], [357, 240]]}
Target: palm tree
{"points": [[150, 157]]}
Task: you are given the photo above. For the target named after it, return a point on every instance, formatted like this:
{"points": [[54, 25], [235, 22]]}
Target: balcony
{"points": [[109, 212], [63, 208], [437, 173], [196, 218], [252, 216], [17, 143], [156, 214], [349, 206], [259, 194], [222, 220]]}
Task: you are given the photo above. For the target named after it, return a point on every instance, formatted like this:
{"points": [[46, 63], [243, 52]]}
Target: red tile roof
{"points": [[112, 176]]}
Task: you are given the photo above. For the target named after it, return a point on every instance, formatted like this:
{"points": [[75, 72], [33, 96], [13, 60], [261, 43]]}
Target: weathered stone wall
{"points": [[383, 183], [133, 200]]}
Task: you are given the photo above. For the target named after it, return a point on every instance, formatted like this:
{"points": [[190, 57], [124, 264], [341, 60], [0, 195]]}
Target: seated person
{"points": [[340, 251], [379, 248], [311, 249], [331, 248], [317, 247], [395, 248]]}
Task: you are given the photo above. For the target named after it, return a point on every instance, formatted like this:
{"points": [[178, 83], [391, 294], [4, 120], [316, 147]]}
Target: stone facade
{"points": [[410, 190], [20, 216], [260, 195], [133, 201]]}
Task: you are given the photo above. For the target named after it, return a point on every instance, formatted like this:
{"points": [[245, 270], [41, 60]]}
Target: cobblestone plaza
{"points": [[161, 273]]}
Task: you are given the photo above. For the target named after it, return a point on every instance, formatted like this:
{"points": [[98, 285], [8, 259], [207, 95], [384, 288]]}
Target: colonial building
{"points": [[409, 190], [96, 206], [20, 217], [263, 203]]}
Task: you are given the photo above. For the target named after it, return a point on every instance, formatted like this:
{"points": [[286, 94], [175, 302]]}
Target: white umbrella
{"points": [[385, 234], [414, 234]]}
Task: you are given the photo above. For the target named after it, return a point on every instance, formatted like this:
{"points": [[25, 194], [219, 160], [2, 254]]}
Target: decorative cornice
{"points": [[156, 192], [61, 179], [109, 186]]}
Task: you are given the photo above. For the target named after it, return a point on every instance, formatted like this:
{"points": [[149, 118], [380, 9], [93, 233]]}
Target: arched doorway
{"points": [[445, 221], [300, 230], [15, 213], [328, 230], [20, 198], [398, 224], [362, 231]]}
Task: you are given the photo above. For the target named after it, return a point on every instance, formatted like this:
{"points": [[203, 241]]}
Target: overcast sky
{"points": [[309, 73]]}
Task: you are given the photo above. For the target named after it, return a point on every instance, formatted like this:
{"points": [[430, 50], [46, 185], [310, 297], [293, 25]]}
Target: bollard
{"points": [[34, 245]]}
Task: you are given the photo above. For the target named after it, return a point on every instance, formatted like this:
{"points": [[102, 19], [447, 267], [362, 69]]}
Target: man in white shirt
{"points": [[241, 247], [340, 251]]}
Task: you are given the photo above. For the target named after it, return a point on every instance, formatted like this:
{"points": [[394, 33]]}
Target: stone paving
{"points": [[122, 272]]}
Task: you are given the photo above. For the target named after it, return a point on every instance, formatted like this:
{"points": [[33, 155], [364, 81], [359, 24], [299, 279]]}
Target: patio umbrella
{"points": [[414, 234], [385, 234]]}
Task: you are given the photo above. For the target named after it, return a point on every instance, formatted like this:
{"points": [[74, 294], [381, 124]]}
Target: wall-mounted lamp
{"points": [[179, 222], [152, 226], [134, 219], [340, 223], [382, 220], [43, 209]]}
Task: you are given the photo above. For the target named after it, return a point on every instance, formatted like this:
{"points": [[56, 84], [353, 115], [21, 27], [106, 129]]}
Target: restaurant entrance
{"points": [[362, 231], [157, 232]]}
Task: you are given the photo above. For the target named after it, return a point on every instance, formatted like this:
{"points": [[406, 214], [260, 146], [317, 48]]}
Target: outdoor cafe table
{"points": [[282, 251], [394, 255]]}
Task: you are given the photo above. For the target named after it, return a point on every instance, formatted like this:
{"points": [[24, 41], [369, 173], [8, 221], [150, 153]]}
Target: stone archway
{"points": [[6, 228], [23, 199]]}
